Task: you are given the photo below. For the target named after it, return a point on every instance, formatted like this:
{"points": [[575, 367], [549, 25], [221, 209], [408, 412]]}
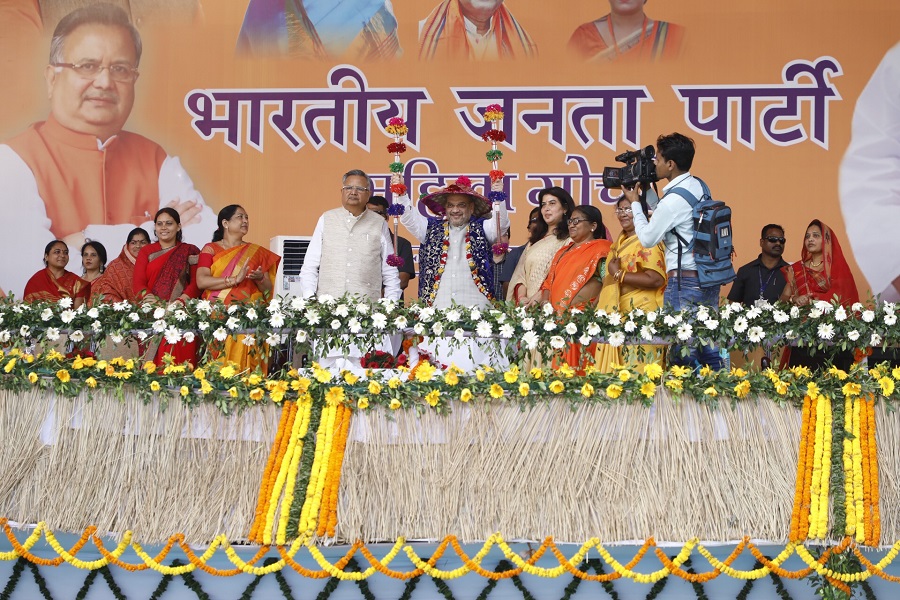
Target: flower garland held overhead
{"points": [[493, 114], [397, 128]]}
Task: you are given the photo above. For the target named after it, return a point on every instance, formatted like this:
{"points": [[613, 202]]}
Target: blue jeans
{"points": [[690, 296]]}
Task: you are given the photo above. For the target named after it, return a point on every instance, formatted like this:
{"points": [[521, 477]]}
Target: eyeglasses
{"points": [[355, 188], [623, 211], [772, 239], [90, 70], [574, 222]]}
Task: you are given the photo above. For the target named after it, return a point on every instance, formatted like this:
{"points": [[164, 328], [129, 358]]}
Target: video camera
{"points": [[639, 168]]}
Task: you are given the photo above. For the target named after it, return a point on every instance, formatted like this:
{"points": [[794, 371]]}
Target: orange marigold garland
{"points": [[873, 517], [328, 508], [338, 453], [276, 456], [805, 461]]}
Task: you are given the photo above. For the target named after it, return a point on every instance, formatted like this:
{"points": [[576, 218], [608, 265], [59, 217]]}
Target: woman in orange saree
{"points": [[626, 33], [117, 282], [232, 270], [54, 282], [576, 273], [166, 271]]}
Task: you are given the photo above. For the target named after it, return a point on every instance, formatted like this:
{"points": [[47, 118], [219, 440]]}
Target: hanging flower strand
{"points": [[493, 114], [397, 128]]}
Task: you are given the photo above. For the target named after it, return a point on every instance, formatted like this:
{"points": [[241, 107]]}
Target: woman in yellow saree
{"points": [[635, 278], [232, 270]]}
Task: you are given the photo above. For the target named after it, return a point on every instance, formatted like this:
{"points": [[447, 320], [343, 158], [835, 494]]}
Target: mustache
{"points": [[103, 97]]}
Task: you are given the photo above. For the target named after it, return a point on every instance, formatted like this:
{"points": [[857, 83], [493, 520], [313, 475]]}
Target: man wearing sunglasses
{"points": [[762, 279]]}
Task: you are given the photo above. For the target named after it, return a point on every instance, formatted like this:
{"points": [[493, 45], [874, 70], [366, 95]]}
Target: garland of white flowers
{"points": [[539, 329]]}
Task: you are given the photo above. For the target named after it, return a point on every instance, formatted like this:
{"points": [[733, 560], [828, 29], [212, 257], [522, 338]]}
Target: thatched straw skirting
{"points": [[622, 472], [887, 434], [125, 465]]}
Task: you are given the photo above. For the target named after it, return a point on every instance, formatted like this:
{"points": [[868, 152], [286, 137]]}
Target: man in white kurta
{"points": [[348, 255], [455, 259]]}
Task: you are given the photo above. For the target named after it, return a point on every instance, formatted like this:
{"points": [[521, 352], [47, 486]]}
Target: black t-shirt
{"points": [[755, 281]]}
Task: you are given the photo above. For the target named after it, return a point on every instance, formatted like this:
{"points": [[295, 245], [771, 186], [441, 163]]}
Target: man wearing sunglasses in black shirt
{"points": [[762, 279]]}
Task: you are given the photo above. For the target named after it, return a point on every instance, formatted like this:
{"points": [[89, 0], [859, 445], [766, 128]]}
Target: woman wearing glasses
{"points": [[117, 282], [635, 278], [549, 232], [576, 272], [232, 270]]}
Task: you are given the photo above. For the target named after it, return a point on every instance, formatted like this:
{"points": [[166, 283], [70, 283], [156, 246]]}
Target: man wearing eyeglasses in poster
{"points": [[762, 279], [78, 175]]}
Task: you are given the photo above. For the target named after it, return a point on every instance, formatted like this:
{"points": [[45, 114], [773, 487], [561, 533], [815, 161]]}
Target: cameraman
{"points": [[674, 156]]}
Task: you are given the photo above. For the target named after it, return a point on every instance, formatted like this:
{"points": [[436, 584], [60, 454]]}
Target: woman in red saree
{"points": [[54, 282], [576, 273], [822, 273], [117, 282], [165, 271], [232, 270]]}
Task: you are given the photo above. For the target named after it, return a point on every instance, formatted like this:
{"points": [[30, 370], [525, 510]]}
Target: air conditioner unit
{"points": [[292, 250]]}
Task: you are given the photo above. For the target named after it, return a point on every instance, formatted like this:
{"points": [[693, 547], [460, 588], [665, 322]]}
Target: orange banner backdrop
{"points": [[766, 89]]}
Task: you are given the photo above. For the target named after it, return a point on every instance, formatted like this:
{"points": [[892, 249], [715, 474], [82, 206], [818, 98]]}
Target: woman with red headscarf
{"points": [[822, 273]]}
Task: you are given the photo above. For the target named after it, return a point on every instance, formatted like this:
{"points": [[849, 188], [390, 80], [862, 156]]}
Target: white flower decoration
{"points": [[825, 331], [173, 335], [756, 334], [530, 339], [685, 331], [484, 329]]}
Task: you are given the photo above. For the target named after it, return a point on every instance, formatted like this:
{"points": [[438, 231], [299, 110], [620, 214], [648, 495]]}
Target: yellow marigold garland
{"points": [[316, 486], [847, 459], [858, 473], [289, 468]]}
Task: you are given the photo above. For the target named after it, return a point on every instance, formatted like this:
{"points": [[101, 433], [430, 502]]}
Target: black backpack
{"points": [[712, 244]]}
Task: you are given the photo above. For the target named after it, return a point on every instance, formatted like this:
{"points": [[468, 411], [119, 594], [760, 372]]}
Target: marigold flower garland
{"points": [[397, 128], [316, 488], [493, 114], [800, 513], [821, 470], [291, 465], [328, 512], [276, 457], [469, 564]]}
